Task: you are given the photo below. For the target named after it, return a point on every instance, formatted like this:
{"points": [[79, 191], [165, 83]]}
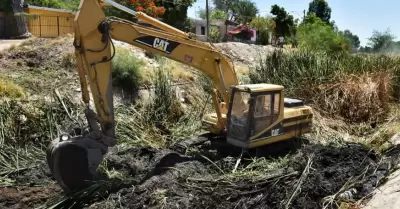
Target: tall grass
{"points": [[163, 119], [355, 87]]}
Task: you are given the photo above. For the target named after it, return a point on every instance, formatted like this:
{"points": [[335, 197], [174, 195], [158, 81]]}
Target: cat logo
{"points": [[161, 45]]}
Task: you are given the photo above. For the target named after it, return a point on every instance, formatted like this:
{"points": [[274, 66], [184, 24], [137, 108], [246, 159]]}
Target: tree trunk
{"points": [[21, 27]]}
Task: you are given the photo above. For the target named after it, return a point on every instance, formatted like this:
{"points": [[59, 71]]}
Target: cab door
{"points": [[265, 113]]}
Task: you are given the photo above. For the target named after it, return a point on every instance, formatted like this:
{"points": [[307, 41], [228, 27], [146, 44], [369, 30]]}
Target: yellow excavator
{"points": [[249, 116]]}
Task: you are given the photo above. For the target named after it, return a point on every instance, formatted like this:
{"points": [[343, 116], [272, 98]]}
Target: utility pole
{"points": [[207, 19]]}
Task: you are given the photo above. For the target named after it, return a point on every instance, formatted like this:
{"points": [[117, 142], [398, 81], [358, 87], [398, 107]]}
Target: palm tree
{"points": [[244, 11]]}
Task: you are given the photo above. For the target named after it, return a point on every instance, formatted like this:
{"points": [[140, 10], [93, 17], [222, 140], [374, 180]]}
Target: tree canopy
{"points": [[321, 9], [284, 21], [315, 34], [381, 41]]}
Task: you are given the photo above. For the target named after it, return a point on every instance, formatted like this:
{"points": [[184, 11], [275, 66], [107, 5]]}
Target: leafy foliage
{"points": [[126, 70], [218, 14], [227, 6], [353, 39], [176, 12], [317, 35], [263, 25], [321, 9], [284, 21], [173, 13], [59, 4], [5, 5], [148, 7], [245, 11], [214, 14], [241, 11], [381, 41]]}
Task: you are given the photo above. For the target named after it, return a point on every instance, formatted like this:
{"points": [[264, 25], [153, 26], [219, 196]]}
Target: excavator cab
{"points": [[256, 116]]}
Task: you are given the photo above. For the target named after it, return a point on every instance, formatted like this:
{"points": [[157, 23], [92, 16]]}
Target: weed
{"points": [[10, 89], [69, 60], [126, 70]]}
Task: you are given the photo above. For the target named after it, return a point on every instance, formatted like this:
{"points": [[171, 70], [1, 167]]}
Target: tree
{"points": [[263, 25], [148, 7], [173, 13], [284, 22], [245, 11], [224, 5], [321, 9], [316, 34], [218, 14], [176, 12], [228, 6], [353, 40], [381, 41], [214, 14]]}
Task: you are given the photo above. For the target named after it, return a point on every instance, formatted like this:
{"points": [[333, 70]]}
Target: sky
{"points": [[360, 17]]}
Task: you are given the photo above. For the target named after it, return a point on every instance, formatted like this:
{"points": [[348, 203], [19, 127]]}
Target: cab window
{"points": [[263, 106], [266, 111]]}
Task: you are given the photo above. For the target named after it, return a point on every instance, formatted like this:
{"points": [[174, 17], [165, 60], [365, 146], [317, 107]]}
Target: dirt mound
{"points": [[41, 65], [314, 177], [246, 53]]}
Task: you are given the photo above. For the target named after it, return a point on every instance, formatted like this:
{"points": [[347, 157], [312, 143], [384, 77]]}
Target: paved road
{"points": [[388, 195], [4, 44]]}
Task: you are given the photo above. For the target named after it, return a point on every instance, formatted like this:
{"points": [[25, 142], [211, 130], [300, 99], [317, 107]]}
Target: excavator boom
{"points": [[249, 116], [94, 50]]}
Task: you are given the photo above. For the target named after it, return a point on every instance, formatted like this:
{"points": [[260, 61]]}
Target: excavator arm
{"points": [[73, 161]]}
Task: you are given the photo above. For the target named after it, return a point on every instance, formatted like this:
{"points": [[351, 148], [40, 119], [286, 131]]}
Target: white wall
{"points": [[200, 23]]}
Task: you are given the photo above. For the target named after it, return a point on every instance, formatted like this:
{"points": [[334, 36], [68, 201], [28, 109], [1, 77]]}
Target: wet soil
{"points": [[26, 197], [161, 178], [164, 179]]}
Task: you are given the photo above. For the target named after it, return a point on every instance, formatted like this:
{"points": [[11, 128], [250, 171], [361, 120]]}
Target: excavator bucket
{"points": [[74, 161]]}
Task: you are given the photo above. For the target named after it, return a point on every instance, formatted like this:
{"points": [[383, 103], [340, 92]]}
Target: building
{"points": [[225, 27], [200, 28]]}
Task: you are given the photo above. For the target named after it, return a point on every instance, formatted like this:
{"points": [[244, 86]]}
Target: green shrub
{"points": [[165, 105], [126, 70], [316, 35]]}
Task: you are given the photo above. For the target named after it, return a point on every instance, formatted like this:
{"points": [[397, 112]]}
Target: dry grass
{"points": [[10, 90], [353, 98], [179, 72], [354, 88]]}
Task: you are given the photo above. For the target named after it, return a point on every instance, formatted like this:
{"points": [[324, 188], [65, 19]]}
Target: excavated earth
{"points": [[154, 178]]}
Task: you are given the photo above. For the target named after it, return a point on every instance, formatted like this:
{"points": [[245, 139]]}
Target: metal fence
{"points": [[38, 25]]}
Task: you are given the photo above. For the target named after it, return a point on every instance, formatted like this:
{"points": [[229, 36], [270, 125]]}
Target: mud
{"points": [[163, 179], [26, 198], [36, 176], [157, 178]]}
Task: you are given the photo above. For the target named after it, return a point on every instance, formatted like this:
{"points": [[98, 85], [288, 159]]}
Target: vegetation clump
{"points": [[357, 88]]}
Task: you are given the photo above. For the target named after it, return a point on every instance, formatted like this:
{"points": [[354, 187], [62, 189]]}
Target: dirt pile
{"points": [[245, 53], [314, 177], [40, 65]]}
